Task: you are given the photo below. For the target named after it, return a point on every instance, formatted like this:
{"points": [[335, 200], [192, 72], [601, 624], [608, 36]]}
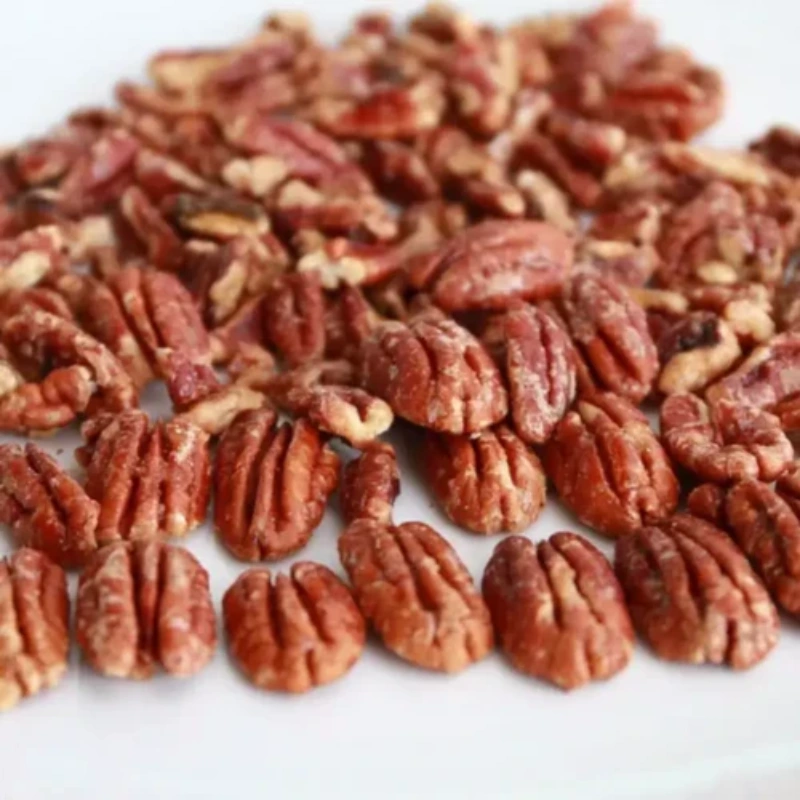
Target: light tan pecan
{"points": [[545, 200], [144, 605], [370, 485], [626, 262], [693, 596], [28, 258], [411, 586], [34, 626], [214, 411], [217, 217], [558, 610], [295, 632], [747, 308]]}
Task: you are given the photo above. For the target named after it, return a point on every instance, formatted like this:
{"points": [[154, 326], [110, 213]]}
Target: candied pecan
{"points": [[745, 307], [545, 200], [412, 587], [294, 633], [218, 217], [161, 243], [624, 262], [214, 411], [34, 620], [349, 319], [142, 605], [490, 483], [788, 486], [434, 373], [370, 485], [399, 171], [611, 332], [780, 145], [693, 596], [558, 610], [272, 484], [637, 221], [28, 258], [788, 305], [609, 468], [45, 507]]}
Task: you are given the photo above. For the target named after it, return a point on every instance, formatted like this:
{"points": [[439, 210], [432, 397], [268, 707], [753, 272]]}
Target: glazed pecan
{"points": [[545, 200], [349, 318], [609, 468], [727, 442], [144, 605], [294, 633], [28, 258], [488, 483], [558, 610], [413, 589], [781, 147], [151, 230], [370, 485], [149, 479], [272, 484], [399, 171], [217, 217], [46, 508], [215, 410], [34, 622]]}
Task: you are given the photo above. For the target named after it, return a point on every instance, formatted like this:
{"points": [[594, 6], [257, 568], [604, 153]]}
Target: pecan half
{"points": [[34, 622], [144, 605], [295, 632], [411, 586], [609, 468], [272, 484], [693, 596], [30, 257], [558, 610], [370, 485]]}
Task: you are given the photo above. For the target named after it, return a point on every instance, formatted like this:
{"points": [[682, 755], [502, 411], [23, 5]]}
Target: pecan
{"points": [[490, 483], [161, 243], [625, 262], [434, 373], [370, 485], [725, 443], [411, 586], [144, 605], [34, 621], [399, 171], [558, 610], [28, 258], [294, 633], [218, 217], [349, 319], [780, 146], [272, 484], [637, 222], [545, 200], [693, 596], [609, 468]]}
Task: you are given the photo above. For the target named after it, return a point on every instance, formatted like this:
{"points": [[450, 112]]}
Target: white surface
{"points": [[388, 730]]}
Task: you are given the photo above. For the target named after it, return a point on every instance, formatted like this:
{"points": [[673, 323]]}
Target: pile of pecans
{"points": [[499, 237]]}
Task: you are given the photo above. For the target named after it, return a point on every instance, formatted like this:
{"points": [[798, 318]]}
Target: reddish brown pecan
{"points": [[217, 217], [30, 257], [544, 200], [624, 262], [780, 146], [272, 484], [747, 308], [349, 319], [399, 171], [370, 485], [434, 373], [34, 626], [150, 228], [144, 605], [295, 632], [215, 411], [725, 443], [693, 596], [411, 586], [558, 610], [609, 468], [490, 483]]}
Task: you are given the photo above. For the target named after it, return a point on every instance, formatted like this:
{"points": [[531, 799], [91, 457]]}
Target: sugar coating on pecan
{"points": [[370, 485], [293, 632], [145, 605], [558, 610], [415, 592]]}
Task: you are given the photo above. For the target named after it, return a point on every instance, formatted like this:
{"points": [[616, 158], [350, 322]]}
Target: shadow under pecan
{"points": [[726, 442], [609, 468], [412, 588], [370, 485], [558, 611], [295, 632], [693, 596], [488, 483], [435, 374], [272, 484], [145, 605]]}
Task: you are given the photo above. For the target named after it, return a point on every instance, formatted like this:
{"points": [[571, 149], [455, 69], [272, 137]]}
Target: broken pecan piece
{"points": [[370, 485], [558, 610]]}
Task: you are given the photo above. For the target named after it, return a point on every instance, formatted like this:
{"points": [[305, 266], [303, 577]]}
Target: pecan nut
{"points": [[370, 485]]}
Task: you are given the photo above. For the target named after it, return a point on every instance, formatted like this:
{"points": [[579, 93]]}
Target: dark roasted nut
{"points": [[558, 610], [294, 633], [272, 484], [489, 483], [781, 147], [609, 468], [399, 171], [149, 479], [411, 586], [434, 373], [727, 442], [144, 605], [693, 596], [370, 485], [34, 626]]}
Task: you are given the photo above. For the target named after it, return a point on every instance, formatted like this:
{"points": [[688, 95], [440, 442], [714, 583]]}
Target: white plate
{"points": [[388, 730]]}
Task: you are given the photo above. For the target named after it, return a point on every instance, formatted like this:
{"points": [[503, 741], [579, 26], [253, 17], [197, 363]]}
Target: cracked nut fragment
{"points": [[558, 611], [609, 468], [145, 605], [411, 586], [726, 442], [272, 485], [294, 632], [693, 596], [34, 625], [370, 485], [488, 483]]}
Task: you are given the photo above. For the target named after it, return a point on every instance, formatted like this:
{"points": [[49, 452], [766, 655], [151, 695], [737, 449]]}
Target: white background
{"points": [[388, 730]]}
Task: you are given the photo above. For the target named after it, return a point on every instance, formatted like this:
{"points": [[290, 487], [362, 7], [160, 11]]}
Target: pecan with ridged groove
{"points": [[370, 485]]}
